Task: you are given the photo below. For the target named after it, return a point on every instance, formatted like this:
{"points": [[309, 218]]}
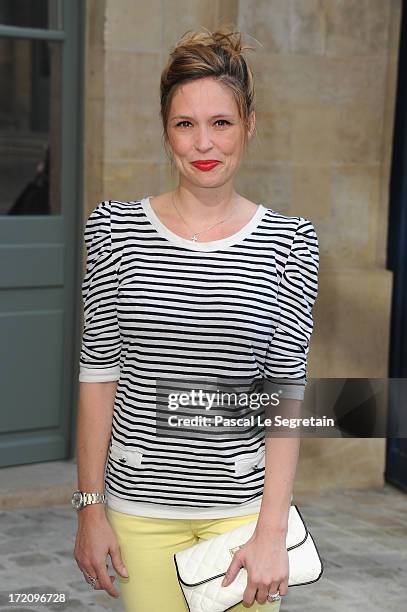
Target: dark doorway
{"points": [[396, 451]]}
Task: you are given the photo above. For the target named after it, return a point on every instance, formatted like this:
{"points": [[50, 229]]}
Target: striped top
{"points": [[165, 315]]}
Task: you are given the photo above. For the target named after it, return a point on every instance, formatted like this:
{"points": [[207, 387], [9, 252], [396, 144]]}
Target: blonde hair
{"points": [[201, 53]]}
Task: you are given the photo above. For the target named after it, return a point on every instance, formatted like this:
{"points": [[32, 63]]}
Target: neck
{"points": [[207, 209]]}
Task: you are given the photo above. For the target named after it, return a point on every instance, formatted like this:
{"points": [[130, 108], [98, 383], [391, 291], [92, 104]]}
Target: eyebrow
{"points": [[213, 116]]}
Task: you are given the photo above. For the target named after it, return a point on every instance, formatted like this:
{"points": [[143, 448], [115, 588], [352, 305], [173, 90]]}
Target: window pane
{"points": [[45, 14], [30, 120]]}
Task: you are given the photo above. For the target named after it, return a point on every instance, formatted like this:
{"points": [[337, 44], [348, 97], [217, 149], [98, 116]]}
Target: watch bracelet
{"points": [[93, 498]]}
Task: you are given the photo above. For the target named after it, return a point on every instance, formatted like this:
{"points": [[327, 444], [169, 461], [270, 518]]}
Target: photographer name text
{"points": [[277, 421]]}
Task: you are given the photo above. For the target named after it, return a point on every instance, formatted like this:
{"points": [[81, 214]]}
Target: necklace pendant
{"points": [[195, 237]]}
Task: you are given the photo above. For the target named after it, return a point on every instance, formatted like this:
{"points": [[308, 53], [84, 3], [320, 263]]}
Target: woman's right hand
{"points": [[95, 539]]}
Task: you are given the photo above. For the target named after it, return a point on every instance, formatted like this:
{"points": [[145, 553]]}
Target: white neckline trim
{"points": [[213, 245]]}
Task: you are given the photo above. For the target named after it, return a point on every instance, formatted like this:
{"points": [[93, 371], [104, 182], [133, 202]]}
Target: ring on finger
{"points": [[274, 596], [92, 579]]}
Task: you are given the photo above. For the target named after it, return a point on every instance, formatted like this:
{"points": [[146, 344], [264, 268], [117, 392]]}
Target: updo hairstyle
{"points": [[201, 53]]}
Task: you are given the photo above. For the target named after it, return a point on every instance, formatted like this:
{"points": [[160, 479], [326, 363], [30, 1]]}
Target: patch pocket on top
{"points": [[125, 456], [246, 465]]}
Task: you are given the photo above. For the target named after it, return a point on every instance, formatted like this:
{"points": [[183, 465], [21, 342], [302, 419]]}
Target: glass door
{"points": [[41, 51]]}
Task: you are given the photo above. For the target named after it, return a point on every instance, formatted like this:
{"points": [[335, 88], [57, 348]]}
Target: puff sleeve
{"points": [[286, 358], [101, 343]]}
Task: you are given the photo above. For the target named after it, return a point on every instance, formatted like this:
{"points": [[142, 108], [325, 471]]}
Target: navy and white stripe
{"points": [[159, 306]]}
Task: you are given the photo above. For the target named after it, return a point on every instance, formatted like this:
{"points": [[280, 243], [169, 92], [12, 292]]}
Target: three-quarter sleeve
{"points": [[101, 343], [286, 358]]}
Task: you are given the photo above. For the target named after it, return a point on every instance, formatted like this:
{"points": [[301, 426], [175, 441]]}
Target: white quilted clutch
{"points": [[201, 567]]}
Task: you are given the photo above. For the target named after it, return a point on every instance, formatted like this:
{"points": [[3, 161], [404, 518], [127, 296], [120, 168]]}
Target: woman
{"points": [[196, 282]]}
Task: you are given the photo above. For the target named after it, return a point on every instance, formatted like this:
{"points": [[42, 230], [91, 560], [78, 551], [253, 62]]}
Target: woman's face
{"points": [[204, 124]]}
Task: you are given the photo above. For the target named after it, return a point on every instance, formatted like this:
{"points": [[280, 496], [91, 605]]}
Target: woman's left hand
{"points": [[265, 558]]}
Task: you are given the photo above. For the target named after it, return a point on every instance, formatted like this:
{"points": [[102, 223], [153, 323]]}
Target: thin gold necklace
{"points": [[196, 234]]}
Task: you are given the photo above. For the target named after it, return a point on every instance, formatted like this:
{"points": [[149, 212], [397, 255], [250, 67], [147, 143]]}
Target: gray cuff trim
{"points": [[286, 388], [89, 374]]}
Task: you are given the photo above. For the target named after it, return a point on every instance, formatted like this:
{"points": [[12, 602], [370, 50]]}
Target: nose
{"points": [[203, 140]]}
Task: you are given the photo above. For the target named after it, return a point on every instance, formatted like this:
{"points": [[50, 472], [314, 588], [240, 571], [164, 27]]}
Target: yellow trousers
{"points": [[147, 547]]}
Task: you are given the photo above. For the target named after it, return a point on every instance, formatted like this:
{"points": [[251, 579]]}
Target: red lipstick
{"points": [[206, 164]]}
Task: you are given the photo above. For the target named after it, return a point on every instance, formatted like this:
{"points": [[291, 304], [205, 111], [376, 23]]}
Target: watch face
{"points": [[77, 500]]}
